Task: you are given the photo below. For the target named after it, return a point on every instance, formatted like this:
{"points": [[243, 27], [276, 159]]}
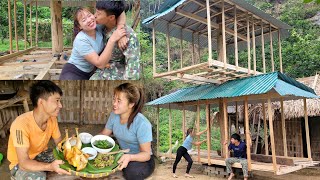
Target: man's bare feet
{"points": [[231, 176], [188, 175], [174, 175]]}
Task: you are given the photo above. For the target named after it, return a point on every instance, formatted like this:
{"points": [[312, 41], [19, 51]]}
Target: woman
{"points": [[132, 130], [87, 46], [183, 151]]}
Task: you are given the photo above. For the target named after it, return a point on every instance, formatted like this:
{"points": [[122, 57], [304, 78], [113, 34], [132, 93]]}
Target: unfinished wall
{"points": [[314, 125]]}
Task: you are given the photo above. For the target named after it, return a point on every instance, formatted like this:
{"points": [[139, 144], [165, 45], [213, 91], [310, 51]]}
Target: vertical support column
{"points": [[192, 55], [284, 134], [15, 24], [56, 27], [262, 49], [199, 48], [307, 128], [31, 43], [25, 105], [235, 29], [224, 43], [170, 132], [248, 138], [25, 23], [10, 25], [184, 122], [271, 48], [273, 150], [154, 48], [181, 48], [265, 127], [209, 33], [254, 48], [198, 129], [225, 123], [158, 117], [248, 44], [168, 46], [208, 132], [237, 118], [37, 24], [280, 53]]}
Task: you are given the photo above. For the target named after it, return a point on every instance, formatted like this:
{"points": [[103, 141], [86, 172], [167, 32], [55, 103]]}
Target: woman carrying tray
{"points": [[132, 130]]}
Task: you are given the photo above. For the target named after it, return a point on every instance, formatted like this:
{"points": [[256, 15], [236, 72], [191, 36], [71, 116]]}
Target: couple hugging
{"points": [[104, 48]]}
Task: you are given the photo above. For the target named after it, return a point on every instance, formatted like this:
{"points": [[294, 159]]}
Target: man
{"points": [[239, 149], [124, 64], [30, 134]]}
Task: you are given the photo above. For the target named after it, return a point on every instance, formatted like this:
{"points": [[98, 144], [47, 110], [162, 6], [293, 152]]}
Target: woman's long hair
{"points": [[135, 95]]}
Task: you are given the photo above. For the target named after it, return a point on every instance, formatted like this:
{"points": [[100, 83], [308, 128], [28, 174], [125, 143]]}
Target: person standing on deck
{"points": [[183, 151]]}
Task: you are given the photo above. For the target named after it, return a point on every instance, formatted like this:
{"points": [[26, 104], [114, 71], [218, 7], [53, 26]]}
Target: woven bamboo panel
{"points": [[7, 115]]}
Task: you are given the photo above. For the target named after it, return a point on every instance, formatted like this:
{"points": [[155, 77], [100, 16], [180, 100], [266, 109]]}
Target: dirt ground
{"points": [[163, 171]]}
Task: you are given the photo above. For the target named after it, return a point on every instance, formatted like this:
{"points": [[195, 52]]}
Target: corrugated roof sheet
{"points": [[254, 85], [167, 13]]}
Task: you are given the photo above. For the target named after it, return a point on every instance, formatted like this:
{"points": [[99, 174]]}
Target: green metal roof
{"points": [[260, 84]]}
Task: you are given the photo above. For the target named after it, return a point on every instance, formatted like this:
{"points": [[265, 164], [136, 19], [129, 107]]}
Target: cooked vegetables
{"points": [[103, 160], [103, 144]]}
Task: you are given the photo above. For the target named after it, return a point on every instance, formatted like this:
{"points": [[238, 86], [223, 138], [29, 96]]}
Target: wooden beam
{"points": [[225, 123], [197, 78], [205, 21], [5, 58], [284, 134], [257, 136], [181, 48], [273, 150], [199, 55], [192, 55], [236, 56], [262, 49], [168, 47], [37, 23], [158, 124], [56, 26], [254, 48], [271, 49], [170, 130], [25, 23], [248, 44], [10, 26], [224, 43], [31, 23], [15, 24], [247, 132], [183, 122], [44, 74], [25, 105], [154, 49], [198, 129], [265, 128], [209, 26], [237, 118], [208, 133], [280, 53], [306, 122], [183, 70]]}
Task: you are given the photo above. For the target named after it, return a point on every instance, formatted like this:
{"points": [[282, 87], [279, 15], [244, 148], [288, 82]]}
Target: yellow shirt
{"points": [[24, 132]]}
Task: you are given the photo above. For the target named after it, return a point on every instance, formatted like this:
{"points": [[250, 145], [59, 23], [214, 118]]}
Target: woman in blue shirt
{"points": [[132, 130], [88, 49], [183, 151]]}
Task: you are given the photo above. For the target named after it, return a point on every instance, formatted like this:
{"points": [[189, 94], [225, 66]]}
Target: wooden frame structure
{"points": [[221, 27]]}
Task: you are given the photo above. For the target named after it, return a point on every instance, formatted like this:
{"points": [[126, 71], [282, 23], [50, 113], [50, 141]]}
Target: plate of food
{"points": [[85, 160]]}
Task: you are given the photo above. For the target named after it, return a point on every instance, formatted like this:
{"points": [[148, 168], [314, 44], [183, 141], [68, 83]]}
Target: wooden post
{"points": [[37, 24], [221, 126], [168, 47], [225, 122], [280, 53], [56, 26], [198, 128], [199, 48], [265, 127], [236, 56], [273, 150], [254, 48], [25, 105], [158, 117], [248, 44], [31, 44], [208, 132], [224, 43], [15, 24], [262, 46], [257, 137], [170, 132], [25, 23], [184, 122], [248, 138], [307, 128], [154, 48], [10, 26], [210, 60], [271, 49], [284, 134], [181, 49], [237, 118]]}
